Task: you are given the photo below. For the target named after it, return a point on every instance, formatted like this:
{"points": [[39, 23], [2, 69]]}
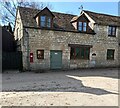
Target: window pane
{"points": [[109, 30], [80, 28], [84, 24], [114, 31], [48, 25], [77, 52], [72, 53], [113, 28], [48, 22], [42, 18], [82, 53], [87, 53], [80, 24], [42, 24], [84, 28]]}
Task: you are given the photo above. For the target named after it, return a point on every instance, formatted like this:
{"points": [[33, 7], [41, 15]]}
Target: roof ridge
{"points": [[27, 7], [71, 14], [100, 13], [64, 13], [50, 10]]}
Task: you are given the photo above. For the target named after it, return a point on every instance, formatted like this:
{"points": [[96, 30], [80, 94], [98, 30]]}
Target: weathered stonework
{"points": [[58, 40], [32, 39]]}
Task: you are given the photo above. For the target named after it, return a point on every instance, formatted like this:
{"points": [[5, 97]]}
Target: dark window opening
{"points": [[112, 31], [40, 54], [79, 53], [110, 54]]}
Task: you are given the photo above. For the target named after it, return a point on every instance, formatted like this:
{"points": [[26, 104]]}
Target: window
{"points": [[45, 21], [48, 22], [42, 21], [110, 54], [79, 53], [40, 54], [112, 31], [82, 26]]}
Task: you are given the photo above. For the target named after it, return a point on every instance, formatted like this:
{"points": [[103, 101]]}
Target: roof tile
{"points": [[62, 21]]}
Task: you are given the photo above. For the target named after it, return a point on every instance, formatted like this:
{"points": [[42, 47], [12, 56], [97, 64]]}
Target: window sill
{"points": [[39, 58], [111, 35], [79, 59], [111, 59], [86, 32], [82, 31], [45, 27], [55, 29]]}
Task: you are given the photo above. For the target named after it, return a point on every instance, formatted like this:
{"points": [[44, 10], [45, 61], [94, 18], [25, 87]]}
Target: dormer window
{"points": [[82, 26], [44, 18], [45, 21]]}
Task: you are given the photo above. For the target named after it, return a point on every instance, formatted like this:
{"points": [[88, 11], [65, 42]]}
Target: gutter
{"points": [[53, 29]]}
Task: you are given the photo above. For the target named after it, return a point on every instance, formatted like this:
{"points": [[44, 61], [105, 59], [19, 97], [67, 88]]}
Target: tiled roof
{"points": [[62, 20], [27, 16], [104, 19]]}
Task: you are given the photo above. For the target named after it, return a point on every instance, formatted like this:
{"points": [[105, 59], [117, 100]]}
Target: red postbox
{"points": [[31, 57]]}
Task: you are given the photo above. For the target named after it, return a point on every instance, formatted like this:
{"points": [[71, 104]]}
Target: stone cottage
{"points": [[52, 40]]}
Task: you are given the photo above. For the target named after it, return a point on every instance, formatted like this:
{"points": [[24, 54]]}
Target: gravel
{"points": [[83, 87]]}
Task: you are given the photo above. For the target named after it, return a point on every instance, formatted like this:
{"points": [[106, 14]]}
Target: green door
{"points": [[55, 59]]}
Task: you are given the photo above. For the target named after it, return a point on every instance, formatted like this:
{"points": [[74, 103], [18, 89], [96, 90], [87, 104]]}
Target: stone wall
{"points": [[59, 40]]}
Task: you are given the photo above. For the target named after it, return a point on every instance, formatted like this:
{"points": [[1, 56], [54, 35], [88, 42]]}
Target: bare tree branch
{"points": [[6, 6], [8, 13], [14, 4]]}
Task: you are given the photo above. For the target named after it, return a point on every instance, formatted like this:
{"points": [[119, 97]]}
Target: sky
{"points": [[73, 7]]}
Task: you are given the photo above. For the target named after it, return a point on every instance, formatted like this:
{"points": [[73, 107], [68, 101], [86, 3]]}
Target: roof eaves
{"points": [[43, 10]]}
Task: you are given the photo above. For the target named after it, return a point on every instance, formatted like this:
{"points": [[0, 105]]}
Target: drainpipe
{"points": [[27, 47]]}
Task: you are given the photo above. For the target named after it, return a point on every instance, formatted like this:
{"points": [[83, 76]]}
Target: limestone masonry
{"points": [[50, 40]]}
